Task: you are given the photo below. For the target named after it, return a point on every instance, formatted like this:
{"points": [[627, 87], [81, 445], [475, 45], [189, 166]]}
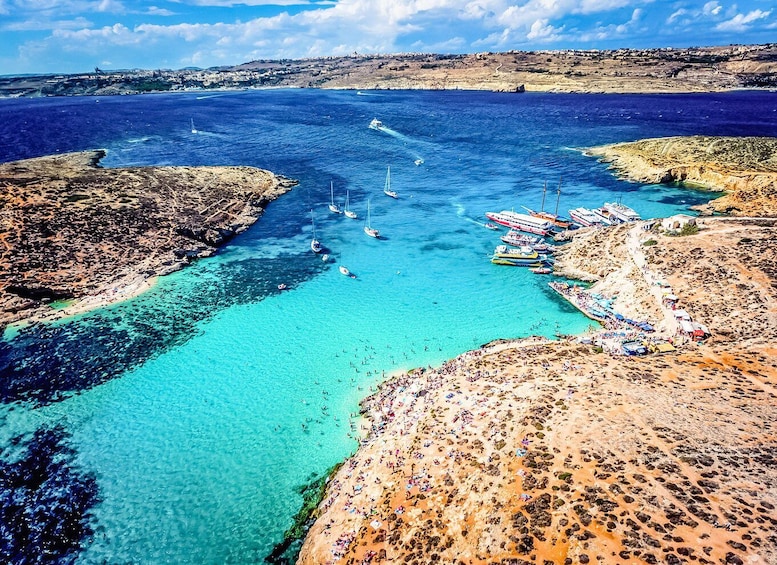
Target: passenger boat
{"points": [[604, 217], [514, 237], [585, 217], [516, 262], [522, 222], [387, 186], [525, 252], [621, 211], [376, 124], [334, 208]]}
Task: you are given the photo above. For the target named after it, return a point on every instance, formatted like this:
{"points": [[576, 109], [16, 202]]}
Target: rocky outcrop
{"points": [[70, 228], [745, 168], [538, 451]]}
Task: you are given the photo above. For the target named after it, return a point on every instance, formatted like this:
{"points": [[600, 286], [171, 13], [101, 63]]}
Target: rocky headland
{"points": [[745, 168], [72, 230], [696, 69], [549, 452], [568, 451]]}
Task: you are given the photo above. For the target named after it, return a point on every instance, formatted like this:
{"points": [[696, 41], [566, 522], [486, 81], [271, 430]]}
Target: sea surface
{"points": [[200, 407]]}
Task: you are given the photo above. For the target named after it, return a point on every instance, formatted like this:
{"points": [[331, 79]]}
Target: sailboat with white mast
{"points": [[334, 208], [347, 211], [556, 220], [368, 229], [387, 186]]}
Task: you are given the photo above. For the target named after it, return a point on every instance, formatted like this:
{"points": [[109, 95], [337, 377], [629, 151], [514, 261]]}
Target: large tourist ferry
{"points": [[521, 222], [621, 212], [585, 217]]}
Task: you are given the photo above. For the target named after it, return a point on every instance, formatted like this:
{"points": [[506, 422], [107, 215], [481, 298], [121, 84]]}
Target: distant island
{"points": [[695, 69], [76, 233]]}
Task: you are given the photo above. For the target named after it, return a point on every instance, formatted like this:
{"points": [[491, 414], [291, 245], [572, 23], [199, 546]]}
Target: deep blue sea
{"points": [[200, 407]]}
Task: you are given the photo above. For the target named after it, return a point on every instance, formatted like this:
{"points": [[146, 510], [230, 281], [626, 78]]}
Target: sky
{"points": [[73, 36]]}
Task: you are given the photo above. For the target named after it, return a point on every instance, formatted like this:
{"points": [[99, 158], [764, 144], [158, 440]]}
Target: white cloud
{"points": [[740, 21], [157, 11], [38, 25], [712, 8], [541, 30], [676, 15]]}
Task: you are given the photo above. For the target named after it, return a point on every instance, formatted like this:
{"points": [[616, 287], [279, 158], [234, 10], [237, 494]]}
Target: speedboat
{"points": [[490, 226], [376, 124]]}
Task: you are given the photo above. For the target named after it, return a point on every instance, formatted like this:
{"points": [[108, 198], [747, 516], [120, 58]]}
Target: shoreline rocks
{"points": [[745, 168], [75, 231], [538, 451]]}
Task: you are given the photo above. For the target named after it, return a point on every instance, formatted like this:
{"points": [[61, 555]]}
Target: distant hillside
{"points": [[701, 69]]}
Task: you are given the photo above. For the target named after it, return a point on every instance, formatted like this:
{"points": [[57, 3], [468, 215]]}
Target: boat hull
{"points": [[517, 222]]}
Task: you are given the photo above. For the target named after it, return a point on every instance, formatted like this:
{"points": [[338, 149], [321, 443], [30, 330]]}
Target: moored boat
{"points": [[525, 252], [557, 221], [347, 211], [518, 239], [516, 262], [334, 208], [521, 222], [387, 186], [315, 245], [368, 229], [585, 217], [621, 211]]}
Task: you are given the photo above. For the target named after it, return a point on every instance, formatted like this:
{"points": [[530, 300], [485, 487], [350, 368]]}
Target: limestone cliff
{"points": [[70, 228], [743, 167]]}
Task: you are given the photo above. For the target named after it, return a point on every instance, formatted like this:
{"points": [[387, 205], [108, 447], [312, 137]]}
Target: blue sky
{"points": [[68, 36]]}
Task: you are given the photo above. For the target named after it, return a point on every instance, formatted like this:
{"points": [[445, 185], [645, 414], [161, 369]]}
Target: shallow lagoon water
{"points": [[203, 404]]}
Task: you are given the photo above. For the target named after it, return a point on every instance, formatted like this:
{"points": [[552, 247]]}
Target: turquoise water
{"points": [[203, 404]]}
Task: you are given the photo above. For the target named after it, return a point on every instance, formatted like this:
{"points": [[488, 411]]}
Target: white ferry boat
{"points": [[621, 211], [585, 217], [522, 222]]}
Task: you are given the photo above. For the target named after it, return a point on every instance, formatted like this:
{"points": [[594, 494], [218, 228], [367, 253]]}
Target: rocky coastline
{"points": [[695, 69], [538, 451], [77, 232], [569, 451], [745, 168]]}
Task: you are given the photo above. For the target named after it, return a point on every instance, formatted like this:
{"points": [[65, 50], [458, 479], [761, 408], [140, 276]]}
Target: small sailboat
{"points": [[315, 245], [194, 130], [347, 211], [368, 229], [334, 208], [387, 186]]}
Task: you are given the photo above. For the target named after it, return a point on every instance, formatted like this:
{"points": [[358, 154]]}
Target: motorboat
{"points": [[376, 124]]}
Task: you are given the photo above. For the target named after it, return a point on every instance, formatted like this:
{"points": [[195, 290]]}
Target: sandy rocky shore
{"points": [[74, 231], [544, 452]]}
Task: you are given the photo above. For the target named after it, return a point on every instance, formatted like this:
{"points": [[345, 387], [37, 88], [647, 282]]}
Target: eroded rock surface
{"points": [[70, 228], [743, 167]]}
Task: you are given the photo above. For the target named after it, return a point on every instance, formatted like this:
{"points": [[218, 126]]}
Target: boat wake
{"points": [[461, 212]]}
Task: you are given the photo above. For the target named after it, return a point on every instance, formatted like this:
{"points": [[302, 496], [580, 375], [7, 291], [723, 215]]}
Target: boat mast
{"points": [[558, 196], [544, 190]]}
